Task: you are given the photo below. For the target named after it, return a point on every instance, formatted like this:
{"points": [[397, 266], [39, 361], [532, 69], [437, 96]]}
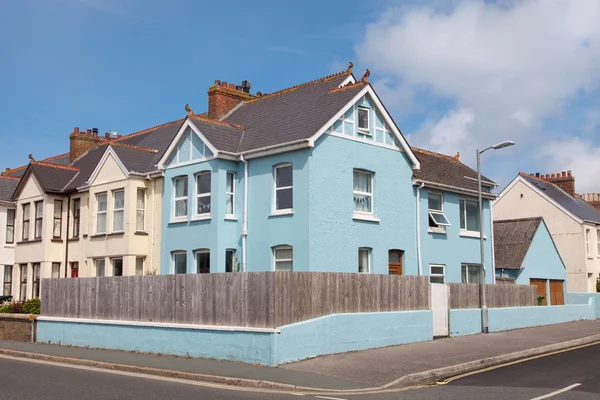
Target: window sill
{"points": [[364, 131], [281, 213], [97, 235], [440, 231], [230, 218], [9, 245], [471, 234], [202, 218], [119, 233], [74, 239], [178, 221], [56, 240], [141, 233], [365, 217], [30, 241]]}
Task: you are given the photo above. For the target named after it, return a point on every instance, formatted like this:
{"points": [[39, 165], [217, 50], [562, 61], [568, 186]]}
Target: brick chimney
{"points": [[222, 98], [82, 142], [563, 180], [592, 198]]}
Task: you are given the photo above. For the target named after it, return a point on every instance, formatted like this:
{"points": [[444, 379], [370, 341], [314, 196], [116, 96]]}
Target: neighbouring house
{"points": [[573, 223], [315, 178], [94, 211], [7, 233], [526, 254]]}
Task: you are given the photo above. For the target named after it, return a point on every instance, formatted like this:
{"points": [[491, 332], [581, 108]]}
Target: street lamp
{"points": [[484, 310]]}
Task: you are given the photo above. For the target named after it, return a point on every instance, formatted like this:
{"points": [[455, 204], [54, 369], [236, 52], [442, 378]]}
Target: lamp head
{"points": [[501, 145]]}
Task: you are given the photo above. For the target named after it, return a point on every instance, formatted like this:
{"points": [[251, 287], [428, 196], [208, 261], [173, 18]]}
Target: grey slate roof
{"points": [[7, 188], [158, 137], [512, 239], [51, 178], [446, 170], [579, 207], [226, 138], [291, 115]]}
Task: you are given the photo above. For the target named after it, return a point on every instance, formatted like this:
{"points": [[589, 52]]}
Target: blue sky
{"points": [[456, 75]]}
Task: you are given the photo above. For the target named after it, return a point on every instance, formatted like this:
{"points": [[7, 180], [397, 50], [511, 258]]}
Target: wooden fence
{"points": [[256, 299], [466, 295]]}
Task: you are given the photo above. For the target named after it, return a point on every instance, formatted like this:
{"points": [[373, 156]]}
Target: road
{"points": [[576, 370]]}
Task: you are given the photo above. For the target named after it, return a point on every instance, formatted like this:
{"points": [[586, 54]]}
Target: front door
{"points": [[541, 285], [395, 262], [439, 307], [557, 294]]}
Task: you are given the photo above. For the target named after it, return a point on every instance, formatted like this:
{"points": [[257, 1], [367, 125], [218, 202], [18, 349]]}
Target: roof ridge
{"points": [[129, 146], [433, 153], [47, 164], [12, 178], [143, 131], [346, 87], [10, 171], [55, 157], [500, 221], [299, 86], [217, 122]]}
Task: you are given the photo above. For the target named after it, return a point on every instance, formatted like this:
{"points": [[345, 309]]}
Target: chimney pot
{"points": [[76, 129], [568, 173], [217, 82], [88, 132], [231, 86], [95, 131], [107, 135], [223, 84], [537, 174], [553, 175], [238, 87], [564, 174]]}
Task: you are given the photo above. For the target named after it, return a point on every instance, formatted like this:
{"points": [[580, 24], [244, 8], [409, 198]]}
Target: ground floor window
{"points": [[230, 260], [117, 266], [364, 260], [55, 270], [23, 280], [180, 262], [283, 258], [437, 273], [100, 267], [7, 289], [36, 280], [202, 261], [139, 265], [74, 269], [471, 273]]}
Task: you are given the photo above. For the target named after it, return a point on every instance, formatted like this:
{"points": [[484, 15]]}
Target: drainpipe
{"points": [[492, 240], [419, 228], [67, 235], [245, 223], [153, 227]]}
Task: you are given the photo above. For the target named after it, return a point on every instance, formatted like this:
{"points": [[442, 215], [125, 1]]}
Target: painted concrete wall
{"points": [[502, 319], [349, 332], [335, 234], [520, 201], [465, 322], [452, 247], [584, 298], [7, 250]]}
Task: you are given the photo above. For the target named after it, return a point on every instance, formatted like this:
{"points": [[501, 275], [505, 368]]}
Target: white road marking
{"points": [[328, 398], [297, 394], [547, 396]]}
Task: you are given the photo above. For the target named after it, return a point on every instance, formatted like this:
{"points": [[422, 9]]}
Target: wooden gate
{"points": [[557, 294], [541, 289], [439, 307]]}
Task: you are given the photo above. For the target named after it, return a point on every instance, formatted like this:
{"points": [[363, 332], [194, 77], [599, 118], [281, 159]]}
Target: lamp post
{"points": [[484, 310]]}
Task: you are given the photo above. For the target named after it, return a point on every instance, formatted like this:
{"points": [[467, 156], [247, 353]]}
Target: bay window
{"points": [[101, 201], [10, 226], [57, 223], [181, 197], [230, 194], [39, 217], [203, 193], [140, 215], [26, 216], [118, 210]]}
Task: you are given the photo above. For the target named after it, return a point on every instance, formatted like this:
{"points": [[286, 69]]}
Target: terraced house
{"points": [[7, 234], [316, 177]]}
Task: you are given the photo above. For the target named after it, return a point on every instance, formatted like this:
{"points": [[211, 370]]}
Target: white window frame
{"points": [[442, 275], [367, 130], [276, 169], [588, 245], [434, 212], [369, 255], [182, 198], [467, 266], [231, 194], [233, 260], [277, 260], [38, 209], [26, 226], [10, 223], [598, 242], [197, 256], [118, 210], [174, 254], [55, 273], [96, 262], [143, 265], [101, 212], [358, 192], [141, 210], [112, 264], [464, 215], [202, 195]]}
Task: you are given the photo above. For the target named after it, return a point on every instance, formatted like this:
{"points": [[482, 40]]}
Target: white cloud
{"points": [[504, 67]]}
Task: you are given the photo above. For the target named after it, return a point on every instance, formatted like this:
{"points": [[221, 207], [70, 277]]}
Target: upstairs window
{"points": [[469, 215], [10, 226], [140, 215], [363, 119], [284, 258], [26, 216], [598, 241], [284, 188], [39, 217], [118, 210], [76, 217], [437, 219], [101, 201], [181, 197], [588, 246], [230, 194], [57, 223], [363, 192], [203, 193]]}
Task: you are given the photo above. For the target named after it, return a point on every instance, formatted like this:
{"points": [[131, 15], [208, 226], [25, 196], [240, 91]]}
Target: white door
{"points": [[439, 307]]}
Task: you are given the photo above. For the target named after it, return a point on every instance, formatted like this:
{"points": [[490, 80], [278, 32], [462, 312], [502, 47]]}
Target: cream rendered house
{"points": [[573, 223], [99, 215], [7, 234]]}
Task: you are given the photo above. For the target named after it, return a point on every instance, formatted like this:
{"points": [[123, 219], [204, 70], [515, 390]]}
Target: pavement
{"points": [[389, 367], [568, 375]]}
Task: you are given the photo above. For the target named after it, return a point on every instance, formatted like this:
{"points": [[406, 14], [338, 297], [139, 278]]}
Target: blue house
{"points": [[526, 254], [316, 177]]}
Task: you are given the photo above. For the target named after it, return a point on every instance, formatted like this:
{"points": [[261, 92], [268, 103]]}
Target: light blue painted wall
{"points": [[584, 298], [248, 347], [502, 319], [334, 236], [339, 333], [465, 322], [451, 249], [266, 230], [217, 233]]}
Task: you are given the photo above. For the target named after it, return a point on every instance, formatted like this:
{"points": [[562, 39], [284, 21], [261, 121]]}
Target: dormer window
{"points": [[363, 119], [437, 219]]}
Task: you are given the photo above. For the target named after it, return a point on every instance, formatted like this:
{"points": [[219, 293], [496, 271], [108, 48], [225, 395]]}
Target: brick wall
{"points": [[222, 98], [82, 142]]}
